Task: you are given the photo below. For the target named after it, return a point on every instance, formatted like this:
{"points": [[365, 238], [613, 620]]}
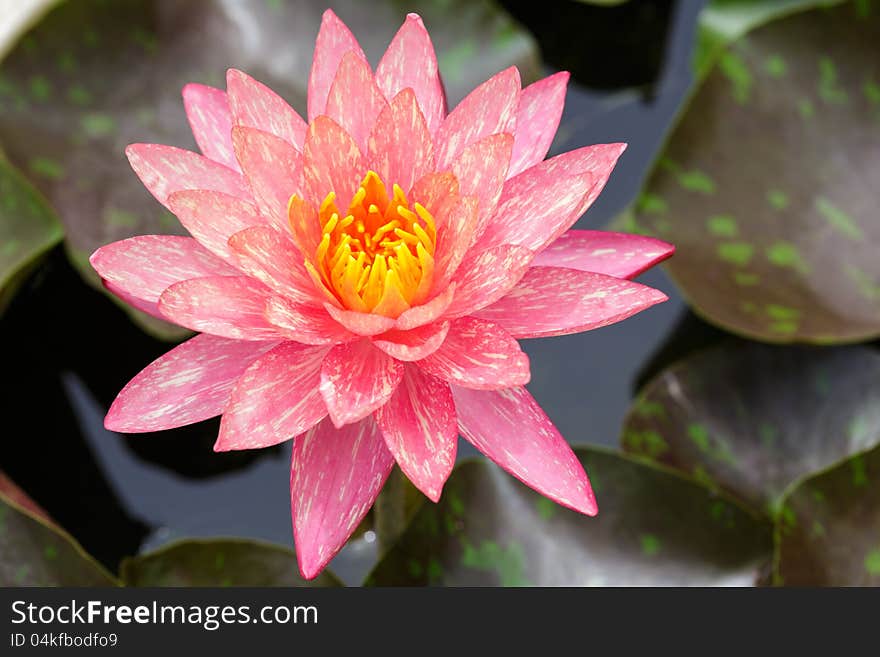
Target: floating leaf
{"points": [[829, 534], [653, 528], [752, 419]]}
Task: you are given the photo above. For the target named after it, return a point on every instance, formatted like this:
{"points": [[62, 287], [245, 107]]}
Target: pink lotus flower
{"points": [[359, 281]]}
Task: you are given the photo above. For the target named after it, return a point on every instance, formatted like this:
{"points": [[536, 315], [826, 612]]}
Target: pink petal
{"points": [[149, 307], [479, 354], [254, 105], [166, 169], [481, 169], [420, 430], [332, 162], [510, 428], [273, 169], [555, 301], [207, 110], [485, 277], [305, 323], [426, 313], [188, 384], [144, 266], [410, 62], [356, 379], [454, 239], [537, 118], [415, 344], [335, 476], [400, 148], [360, 323], [333, 42], [276, 399], [212, 217], [488, 109], [227, 306], [355, 101], [615, 254]]}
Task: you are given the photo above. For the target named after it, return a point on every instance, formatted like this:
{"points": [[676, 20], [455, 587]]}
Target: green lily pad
{"points": [[752, 419], [653, 528], [830, 532], [219, 562], [765, 185]]}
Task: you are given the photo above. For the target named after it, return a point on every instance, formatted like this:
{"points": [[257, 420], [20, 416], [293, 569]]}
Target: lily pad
{"points": [[829, 534], [219, 562], [654, 528], [766, 186], [752, 419]]}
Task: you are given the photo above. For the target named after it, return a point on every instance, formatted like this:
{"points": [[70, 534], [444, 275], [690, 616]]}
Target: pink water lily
{"points": [[359, 280]]}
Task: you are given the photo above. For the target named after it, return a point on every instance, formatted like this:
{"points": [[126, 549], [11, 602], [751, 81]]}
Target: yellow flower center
{"points": [[378, 257]]}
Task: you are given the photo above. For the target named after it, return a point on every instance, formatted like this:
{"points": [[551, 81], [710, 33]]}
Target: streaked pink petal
{"points": [[360, 323], [400, 148], [555, 301], [426, 313], [190, 383], [419, 428], [213, 217], [333, 42], [410, 62], [149, 307], [510, 428], [227, 306], [207, 110], [488, 109], [615, 254], [335, 476], [355, 101], [276, 399], [459, 226], [415, 344], [332, 162], [305, 323], [537, 118], [479, 354], [485, 277], [254, 105], [356, 379], [481, 169]]}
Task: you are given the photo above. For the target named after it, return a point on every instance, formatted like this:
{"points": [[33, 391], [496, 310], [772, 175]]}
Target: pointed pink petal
{"points": [[481, 169], [305, 323], [149, 307], [488, 109], [227, 306], [188, 384], [426, 313], [356, 379], [485, 277], [415, 344], [459, 226], [479, 354], [410, 62], [537, 118], [360, 323], [254, 105], [420, 430], [615, 254], [335, 476], [273, 169], [207, 110], [276, 399], [332, 162], [355, 101], [554, 301], [166, 169], [510, 428], [213, 217], [333, 42], [400, 148]]}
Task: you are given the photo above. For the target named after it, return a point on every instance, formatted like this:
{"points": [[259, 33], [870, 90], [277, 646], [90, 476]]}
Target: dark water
{"points": [[70, 350]]}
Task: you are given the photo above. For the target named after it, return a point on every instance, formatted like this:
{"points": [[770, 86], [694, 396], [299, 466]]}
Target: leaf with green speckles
{"points": [[653, 528], [845, 550], [752, 418], [219, 562]]}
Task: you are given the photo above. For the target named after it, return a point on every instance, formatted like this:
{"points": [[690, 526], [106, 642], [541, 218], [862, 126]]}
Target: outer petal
{"points": [[510, 428], [481, 169], [306, 324], [334, 40], [207, 110], [355, 101], [227, 306], [332, 162], [212, 217], [615, 254], [479, 354], [415, 344], [488, 109], [149, 307], [537, 118], [276, 399], [254, 105], [188, 384], [166, 169], [486, 277], [420, 430], [554, 301], [410, 62], [426, 313], [335, 477], [356, 379]]}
